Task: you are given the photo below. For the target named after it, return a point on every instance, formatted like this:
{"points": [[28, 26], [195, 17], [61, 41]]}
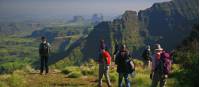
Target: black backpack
{"points": [[44, 49]]}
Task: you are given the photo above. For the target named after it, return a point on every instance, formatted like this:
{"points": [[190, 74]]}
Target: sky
{"points": [[69, 8]]}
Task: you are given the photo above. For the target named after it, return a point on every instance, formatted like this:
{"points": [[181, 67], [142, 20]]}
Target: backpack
{"points": [[44, 49], [165, 63], [129, 65]]}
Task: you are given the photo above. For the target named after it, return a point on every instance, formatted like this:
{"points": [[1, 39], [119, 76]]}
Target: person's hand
{"points": [[151, 76], [166, 76]]}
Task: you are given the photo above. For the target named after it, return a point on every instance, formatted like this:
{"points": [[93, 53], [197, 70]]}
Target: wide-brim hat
{"points": [[158, 47], [148, 47]]}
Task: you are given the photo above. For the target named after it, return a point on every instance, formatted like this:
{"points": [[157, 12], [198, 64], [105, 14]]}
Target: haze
{"points": [[13, 9]]}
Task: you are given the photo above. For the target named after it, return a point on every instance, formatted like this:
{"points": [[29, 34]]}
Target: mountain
{"points": [[124, 29], [169, 23], [78, 19], [97, 18], [18, 28]]}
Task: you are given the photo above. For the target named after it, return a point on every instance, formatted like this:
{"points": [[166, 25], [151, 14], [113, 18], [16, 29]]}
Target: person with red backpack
{"points": [[104, 64], [161, 66]]}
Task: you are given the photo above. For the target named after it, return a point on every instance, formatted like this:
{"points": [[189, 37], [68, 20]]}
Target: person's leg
{"points": [[149, 64], [155, 80], [46, 64], [100, 75], [41, 64], [106, 74], [145, 64], [120, 84], [163, 81], [127, 80]]}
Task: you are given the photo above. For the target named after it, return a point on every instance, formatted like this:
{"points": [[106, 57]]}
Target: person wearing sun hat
{"points": [[156, 75]]}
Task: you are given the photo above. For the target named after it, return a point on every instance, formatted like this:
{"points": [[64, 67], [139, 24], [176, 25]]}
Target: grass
{"points": [[78, 76]]}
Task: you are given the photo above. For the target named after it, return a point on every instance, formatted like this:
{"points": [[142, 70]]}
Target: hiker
{"points": [[124, 67], [147, 56], [102, 44], [161, 66], [44, 50], [117, 48], [104, 64]]}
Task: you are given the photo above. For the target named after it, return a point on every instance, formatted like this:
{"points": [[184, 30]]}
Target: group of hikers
{"points": [[159, 63]]}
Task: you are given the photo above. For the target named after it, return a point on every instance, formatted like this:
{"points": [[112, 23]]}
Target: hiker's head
{"points": [[103, 50], [158, 48], [148, 47], [102, 44], [123, 47], [43, 39], [116, 42], [101, 41]]}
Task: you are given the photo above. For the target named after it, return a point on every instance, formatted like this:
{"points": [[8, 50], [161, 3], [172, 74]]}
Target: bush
{"points": [[88, 72], [71, 69], [75, 75], [72, 72], [89, 68], [16, 80]]}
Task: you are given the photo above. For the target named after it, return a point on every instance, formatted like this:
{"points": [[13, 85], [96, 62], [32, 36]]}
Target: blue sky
{"points": [[68, 8]]}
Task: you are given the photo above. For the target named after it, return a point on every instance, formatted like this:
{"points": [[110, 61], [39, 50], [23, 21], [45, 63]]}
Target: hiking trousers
{"points": [[104, 70], [44, 64], [120, 80], [158, 78]]}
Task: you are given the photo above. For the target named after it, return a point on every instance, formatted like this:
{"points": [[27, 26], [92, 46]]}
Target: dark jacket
{"points": [[123, 62], [44, 49], [146, 54]]}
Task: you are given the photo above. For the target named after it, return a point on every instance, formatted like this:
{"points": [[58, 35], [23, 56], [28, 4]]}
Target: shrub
{"points": [[71, 69], [72, 72], [16, 80], [88, 71], [75, 75]]}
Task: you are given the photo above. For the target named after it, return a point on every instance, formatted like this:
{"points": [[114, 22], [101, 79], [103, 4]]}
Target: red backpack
{"points": [[165, 62]]}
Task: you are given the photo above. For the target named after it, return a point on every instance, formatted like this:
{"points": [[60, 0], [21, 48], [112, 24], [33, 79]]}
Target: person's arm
{"points": [[49, 47], [117, 59], [153, 64], [99, 58]]}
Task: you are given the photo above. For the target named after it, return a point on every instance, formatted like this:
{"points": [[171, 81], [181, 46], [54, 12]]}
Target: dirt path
{"points": [[60, 80]]}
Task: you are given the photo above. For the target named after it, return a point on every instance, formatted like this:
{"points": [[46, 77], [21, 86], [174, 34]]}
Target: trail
{"points": [[59, 80]]}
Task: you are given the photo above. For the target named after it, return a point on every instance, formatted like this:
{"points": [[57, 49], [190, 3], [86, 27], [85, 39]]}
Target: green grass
{"points": [[16, 80], [82, 76], [17, 52], [3, 84]]}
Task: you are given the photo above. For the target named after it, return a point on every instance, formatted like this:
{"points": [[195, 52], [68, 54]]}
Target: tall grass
{"points": [[16, 80]]}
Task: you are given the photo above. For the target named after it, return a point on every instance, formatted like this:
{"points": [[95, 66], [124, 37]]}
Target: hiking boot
{"points": [[46, 73]]}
